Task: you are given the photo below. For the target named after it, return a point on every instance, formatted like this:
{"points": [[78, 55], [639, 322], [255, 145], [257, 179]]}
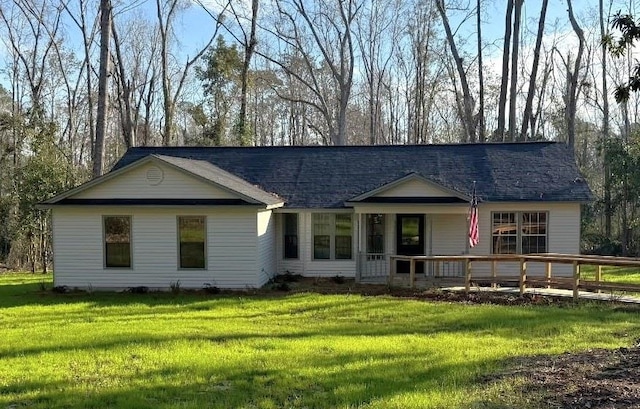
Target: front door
{"points": [[410, 240]]}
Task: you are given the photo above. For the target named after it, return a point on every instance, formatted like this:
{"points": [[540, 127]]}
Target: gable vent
{"points": [[154, 176]]}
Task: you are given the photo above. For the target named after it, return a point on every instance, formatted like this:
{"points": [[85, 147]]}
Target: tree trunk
{"points": [[125, 95], [103, 78], [248, 53], [481, 130], [514, 70], [534, 72], [608, 211], [466, 115], [573, 85], [502, 103]]}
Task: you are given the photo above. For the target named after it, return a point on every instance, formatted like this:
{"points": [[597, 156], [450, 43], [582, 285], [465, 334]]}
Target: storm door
{"points": [[410, 239]]}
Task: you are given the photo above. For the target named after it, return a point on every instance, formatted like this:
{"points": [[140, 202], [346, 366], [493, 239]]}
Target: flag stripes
{"points": [[474, 235]]}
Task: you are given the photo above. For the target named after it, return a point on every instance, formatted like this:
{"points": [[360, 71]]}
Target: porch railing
{"points": [[375, 267], [574, 281]]}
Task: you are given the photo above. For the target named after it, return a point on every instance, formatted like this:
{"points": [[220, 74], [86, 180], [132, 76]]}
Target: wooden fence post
{"points": [[576, 280], [467, 276], [523, 275], [412, 272], [494, 274], [547, 274], [599, 277], [392, 270]]}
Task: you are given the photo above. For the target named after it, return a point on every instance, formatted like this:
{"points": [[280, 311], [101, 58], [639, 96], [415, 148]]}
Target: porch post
{"points": [[523, 275], [576, 280], [412, 273]]}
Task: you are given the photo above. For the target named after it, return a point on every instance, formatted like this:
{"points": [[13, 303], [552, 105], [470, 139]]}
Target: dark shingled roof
{"points": [[327, 176]]}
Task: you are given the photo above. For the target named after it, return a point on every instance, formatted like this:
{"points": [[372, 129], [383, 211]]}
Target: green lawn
{"points": [[628, 275], [299, 350]]}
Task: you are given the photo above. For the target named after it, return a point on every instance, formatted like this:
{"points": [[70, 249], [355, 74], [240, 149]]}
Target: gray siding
{"points": [[414, 188], [174, 185], [448, 234], [78, 247], [266, 246]]}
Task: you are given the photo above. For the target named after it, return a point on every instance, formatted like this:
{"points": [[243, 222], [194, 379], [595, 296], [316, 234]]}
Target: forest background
{"points": [[83, 80]]}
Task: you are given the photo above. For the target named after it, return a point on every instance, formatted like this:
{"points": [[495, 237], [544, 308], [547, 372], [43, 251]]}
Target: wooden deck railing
{"points": [[523, 280]]}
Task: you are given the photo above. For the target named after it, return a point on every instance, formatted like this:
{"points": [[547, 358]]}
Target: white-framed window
{"points": [[192, 242], [332, 236], [375, 233], [117, 241], [290, 235], [519, 232]]}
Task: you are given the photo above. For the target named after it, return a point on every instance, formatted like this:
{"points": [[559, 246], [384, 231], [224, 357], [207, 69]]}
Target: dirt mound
{"points": [[598, 378]]}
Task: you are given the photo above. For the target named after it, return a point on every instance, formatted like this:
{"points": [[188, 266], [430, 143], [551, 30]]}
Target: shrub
{"points": [[175, 287], [338, 279], [210, 289], [138, 290]]}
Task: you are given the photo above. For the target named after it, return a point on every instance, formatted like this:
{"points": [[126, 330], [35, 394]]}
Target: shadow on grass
{"points": [[352, 380], [273, 364]]}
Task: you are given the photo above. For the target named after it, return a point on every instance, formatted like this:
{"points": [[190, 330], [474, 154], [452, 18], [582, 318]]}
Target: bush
{"points": [[175, 287], [282, 287], [287, 277], [338, 279], [138, 290], [599, 244], [210, 289]]}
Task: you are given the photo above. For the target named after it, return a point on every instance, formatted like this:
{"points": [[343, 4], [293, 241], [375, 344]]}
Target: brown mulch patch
{"points": [[598, 378]]}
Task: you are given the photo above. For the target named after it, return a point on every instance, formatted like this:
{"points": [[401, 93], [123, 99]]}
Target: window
{"points": [[332, 236], [519, 232], [533, 227], [322, 236], [117, 241], [343, 245], [505, 233], [375, 233], [290, 229], [192, 241]]}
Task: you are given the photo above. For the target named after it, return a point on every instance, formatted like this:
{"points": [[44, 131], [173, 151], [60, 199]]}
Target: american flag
{"points": [[474, 235]]}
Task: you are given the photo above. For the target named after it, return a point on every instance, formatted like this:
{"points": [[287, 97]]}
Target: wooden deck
{"points": [[519, 279]]}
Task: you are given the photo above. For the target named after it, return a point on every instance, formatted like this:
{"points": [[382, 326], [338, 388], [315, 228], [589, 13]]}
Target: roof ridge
{"points": [[398, 146]]}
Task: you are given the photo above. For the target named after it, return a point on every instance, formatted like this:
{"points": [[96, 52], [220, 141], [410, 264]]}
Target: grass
{"points": [[628, 275], [105, 350]]}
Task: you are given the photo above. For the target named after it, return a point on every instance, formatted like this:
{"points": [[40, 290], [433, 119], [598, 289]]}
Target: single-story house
{"points": [[235, 217]]}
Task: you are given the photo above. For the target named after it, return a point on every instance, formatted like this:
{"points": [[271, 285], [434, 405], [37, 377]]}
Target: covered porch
{"points": [[416, 230]]}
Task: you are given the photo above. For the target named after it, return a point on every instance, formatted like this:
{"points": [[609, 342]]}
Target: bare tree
{"points": [[124, 91], [572, 97], [467, 104], [377, 37], [605, 125], [514, 69], [481, 124], [103, 78], [526, 118], [502, 103], [41, 33], [166, 12], [325, 29]]}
